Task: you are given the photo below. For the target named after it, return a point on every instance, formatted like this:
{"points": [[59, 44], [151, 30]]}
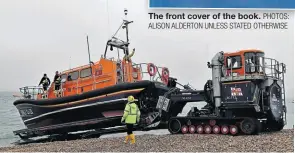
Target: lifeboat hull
{"points": [[107, 104]]}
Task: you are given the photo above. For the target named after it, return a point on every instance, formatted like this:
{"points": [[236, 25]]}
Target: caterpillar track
{"points": [[206, 125]]}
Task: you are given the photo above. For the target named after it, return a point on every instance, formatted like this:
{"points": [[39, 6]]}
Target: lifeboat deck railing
{"points": [[31, 92], [143, 67]]}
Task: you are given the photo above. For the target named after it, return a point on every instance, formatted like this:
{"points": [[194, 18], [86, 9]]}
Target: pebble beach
{"points": [[265, 142]]}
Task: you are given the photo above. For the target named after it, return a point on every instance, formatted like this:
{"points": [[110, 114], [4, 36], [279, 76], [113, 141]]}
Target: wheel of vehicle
{"points": [[233, 130], [184, 129], [192, 129], [208, 129], [200, 129], [224, 129], [216, 129], [174, 126], [248, 126]]}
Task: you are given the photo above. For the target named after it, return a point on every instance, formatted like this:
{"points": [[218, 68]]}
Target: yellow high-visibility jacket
{"points": [[131, 113]]}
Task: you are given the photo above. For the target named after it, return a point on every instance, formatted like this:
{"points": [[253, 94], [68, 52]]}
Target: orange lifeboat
{"points": [[98, 90]]}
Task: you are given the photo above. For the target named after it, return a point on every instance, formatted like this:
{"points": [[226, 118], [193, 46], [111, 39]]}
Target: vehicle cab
{"points": [[244, 62]]}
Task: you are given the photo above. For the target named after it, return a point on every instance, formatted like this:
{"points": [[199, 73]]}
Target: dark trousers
{"points": [[45, 87], [57, 86], [129, 128]]}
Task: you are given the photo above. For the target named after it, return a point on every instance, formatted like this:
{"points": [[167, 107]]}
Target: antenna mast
{"points": [[120, 44], [126, 12], [126, 22], [70, 63], [125, 26], [88, 52]]}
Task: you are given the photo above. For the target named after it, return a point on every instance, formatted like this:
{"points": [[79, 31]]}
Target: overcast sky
{"points": [[42, 36]]}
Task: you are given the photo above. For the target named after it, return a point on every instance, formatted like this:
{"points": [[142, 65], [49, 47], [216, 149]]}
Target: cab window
{"points": [[234, 62], [85, 73], [63, 76], [73, 76], [254, 62]]}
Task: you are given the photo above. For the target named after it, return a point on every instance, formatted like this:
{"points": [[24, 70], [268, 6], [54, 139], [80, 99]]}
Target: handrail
{"points": [[276, 68], [29, 92], [153, 78]]}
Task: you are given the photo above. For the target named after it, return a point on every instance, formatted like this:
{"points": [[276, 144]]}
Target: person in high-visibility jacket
{"points": [[131, 117]]}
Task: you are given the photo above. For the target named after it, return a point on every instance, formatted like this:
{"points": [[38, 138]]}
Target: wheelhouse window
{"points": [[85, 73], [63, 77], [73, 76], [234, 62], [254, 62]]}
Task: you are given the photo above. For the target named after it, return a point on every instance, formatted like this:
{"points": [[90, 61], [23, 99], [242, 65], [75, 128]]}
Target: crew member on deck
{"points": [[45, 81], [131, 117], [57, 83]]}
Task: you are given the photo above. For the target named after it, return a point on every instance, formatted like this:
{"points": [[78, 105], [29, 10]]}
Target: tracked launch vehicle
{"points": [[246, 95]]}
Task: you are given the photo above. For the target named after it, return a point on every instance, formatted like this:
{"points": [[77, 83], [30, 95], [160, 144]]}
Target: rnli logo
{"points": [[236, 91]]}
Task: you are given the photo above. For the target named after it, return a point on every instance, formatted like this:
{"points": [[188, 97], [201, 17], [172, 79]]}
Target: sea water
{"points": [[11, 121]]}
